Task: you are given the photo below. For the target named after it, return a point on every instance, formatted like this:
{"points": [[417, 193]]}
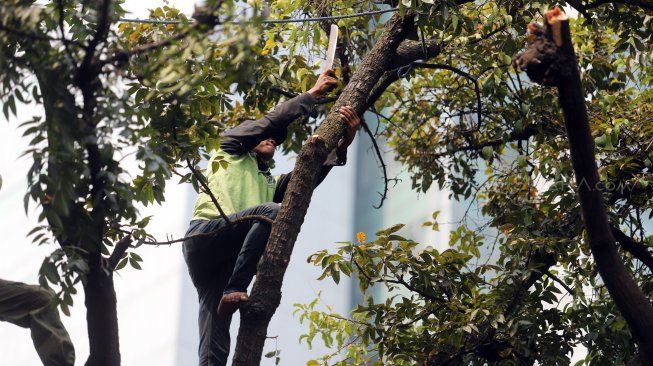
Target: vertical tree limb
{"points": [[550, 60]]}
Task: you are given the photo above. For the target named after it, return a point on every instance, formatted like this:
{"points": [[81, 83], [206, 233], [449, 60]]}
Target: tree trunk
{"points": [[100, 296], [101, 315], [550, 60], [266, 294]]}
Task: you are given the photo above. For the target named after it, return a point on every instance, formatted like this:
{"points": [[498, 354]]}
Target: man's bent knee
{"points": [[270, 209]]}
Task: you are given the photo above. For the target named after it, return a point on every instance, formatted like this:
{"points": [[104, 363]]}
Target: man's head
{"points": [[265, 149]]}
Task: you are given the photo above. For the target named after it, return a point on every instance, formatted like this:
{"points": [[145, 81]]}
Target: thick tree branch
{"points": [[410, 51], [84, 71], [550, 59], [265, 296]]}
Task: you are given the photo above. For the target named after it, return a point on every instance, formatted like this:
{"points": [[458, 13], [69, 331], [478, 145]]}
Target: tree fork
{"points": [[550, 60], [266, 293]]}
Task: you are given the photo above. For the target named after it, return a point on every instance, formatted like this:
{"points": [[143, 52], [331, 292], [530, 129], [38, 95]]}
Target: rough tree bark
{"points": [[551, 61], [101, 314], [266, 295]]}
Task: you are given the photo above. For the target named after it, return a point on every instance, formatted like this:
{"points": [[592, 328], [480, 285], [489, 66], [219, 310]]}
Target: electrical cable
{"points": [[273, 21]]}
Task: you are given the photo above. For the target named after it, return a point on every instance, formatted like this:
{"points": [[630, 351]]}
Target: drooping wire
{"points": [[272, 21]]}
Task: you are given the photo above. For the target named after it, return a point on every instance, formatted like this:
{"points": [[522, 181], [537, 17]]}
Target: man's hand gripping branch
{"points": [[325, 83]]}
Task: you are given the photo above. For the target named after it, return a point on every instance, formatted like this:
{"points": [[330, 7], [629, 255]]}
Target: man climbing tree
{"points": [[232, 216]]}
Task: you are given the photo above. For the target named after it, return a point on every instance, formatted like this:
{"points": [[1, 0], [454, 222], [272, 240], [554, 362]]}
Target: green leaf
{"points": [[65, 309], [639, 45], [487, 152], [390, 230], [157, 13], [522, 161], [335, 274], [215, 166], [134, 263], [11, 103], [122, 263], [49, 270], [205, 107]]}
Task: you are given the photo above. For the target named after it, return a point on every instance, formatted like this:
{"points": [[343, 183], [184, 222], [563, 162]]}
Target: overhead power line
{"points": [[272, 21]]}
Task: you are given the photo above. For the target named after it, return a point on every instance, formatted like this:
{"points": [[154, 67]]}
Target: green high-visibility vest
{"points": [[238, 186]]}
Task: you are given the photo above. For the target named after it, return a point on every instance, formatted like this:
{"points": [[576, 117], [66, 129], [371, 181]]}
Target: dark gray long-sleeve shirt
{"points": [[244, 137]]}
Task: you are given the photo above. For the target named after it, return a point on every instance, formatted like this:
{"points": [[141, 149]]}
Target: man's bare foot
{"points": [[231, 302]]}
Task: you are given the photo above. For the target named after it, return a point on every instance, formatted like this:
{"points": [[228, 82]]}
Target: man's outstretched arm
{"points": [[337, 157], [248, 134]]}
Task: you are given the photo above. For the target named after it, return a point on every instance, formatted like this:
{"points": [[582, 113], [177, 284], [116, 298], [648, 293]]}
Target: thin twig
{"points": [[122, 55], [34, 36], [555, 278], [638, 250], [381, 162], [207, 190], [399, 281], [213, 232], [528, 132], [464, 74], [204, 18]]}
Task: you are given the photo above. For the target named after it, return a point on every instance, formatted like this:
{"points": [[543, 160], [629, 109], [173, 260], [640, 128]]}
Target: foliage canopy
{"points": [[462, 119]]}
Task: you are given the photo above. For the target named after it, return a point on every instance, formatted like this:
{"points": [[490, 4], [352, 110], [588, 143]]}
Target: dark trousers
{"points": [[30, 306], [220, 264]]}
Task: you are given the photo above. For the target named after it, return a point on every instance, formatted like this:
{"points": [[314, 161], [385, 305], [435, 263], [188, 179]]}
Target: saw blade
{"points": [[331, 50]]}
